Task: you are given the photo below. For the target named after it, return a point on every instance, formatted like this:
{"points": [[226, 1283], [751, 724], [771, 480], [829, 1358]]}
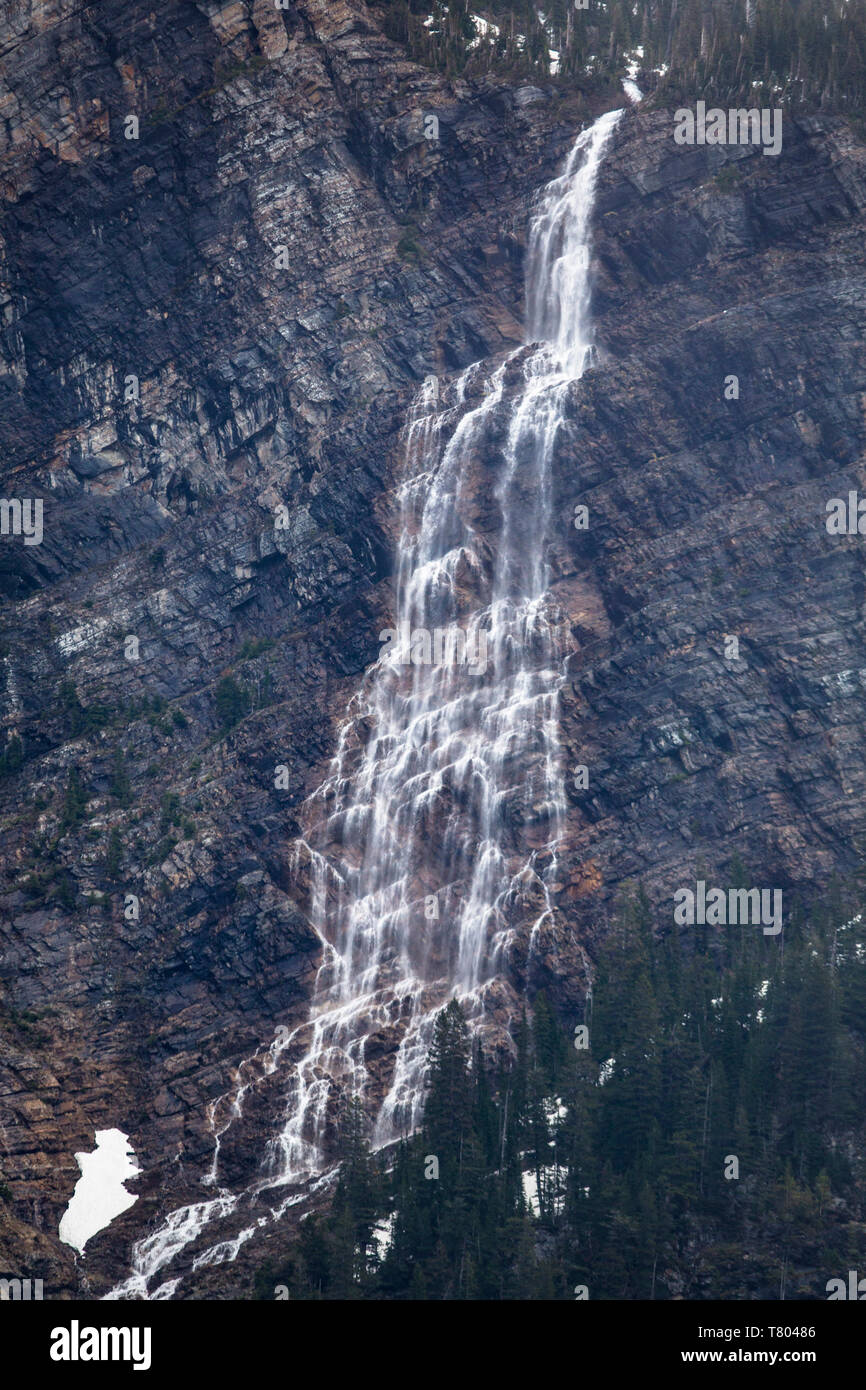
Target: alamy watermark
{"points": [[720, 907], [13, 1289], [77, 1343], [443, 646], [734, 127], [855, 1289], [846, 518], [22, 517]]}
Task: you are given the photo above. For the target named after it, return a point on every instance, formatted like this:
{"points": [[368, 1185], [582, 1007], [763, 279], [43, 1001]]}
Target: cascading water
{"points": [[431, 848]]}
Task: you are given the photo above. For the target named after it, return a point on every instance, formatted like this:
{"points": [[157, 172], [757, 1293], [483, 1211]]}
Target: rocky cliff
{"points": [[212, 334]]}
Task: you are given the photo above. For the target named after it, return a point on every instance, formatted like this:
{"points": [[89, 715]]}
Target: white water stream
{"points": [[431, 847]]}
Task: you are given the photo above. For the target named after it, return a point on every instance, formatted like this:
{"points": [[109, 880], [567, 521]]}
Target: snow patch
{"points": [[383, 1234], [483, 27], [552, 1181], [633, 67], [555, 1109], [99, 1194]]}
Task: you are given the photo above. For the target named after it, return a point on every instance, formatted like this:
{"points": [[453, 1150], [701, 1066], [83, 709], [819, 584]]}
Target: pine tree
{"points": [[449, 1091]]}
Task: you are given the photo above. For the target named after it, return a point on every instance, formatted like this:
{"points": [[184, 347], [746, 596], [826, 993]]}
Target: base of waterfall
{"points": [[206, 1234]]}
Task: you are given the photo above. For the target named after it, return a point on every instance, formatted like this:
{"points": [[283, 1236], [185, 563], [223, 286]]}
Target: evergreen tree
{"points": [[705, 1047]]}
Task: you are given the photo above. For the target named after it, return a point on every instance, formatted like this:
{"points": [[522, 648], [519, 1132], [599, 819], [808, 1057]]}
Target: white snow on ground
{"points": [[483, 27], [99, 1194], [606, 1070], [555, 1109], [859, 948], [629, 85], [383, 1234], [530, 1190], [553, 1179], [762, 994]]}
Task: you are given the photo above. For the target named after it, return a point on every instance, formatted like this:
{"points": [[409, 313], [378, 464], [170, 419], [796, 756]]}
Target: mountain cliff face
{"points": [[212, 336]]}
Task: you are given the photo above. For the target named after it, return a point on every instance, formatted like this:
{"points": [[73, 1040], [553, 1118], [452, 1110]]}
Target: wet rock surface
{"points": [[212, 335]]}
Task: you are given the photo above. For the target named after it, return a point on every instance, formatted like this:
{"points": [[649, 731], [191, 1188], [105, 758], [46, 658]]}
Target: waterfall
{"points": [[431, 847]]}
